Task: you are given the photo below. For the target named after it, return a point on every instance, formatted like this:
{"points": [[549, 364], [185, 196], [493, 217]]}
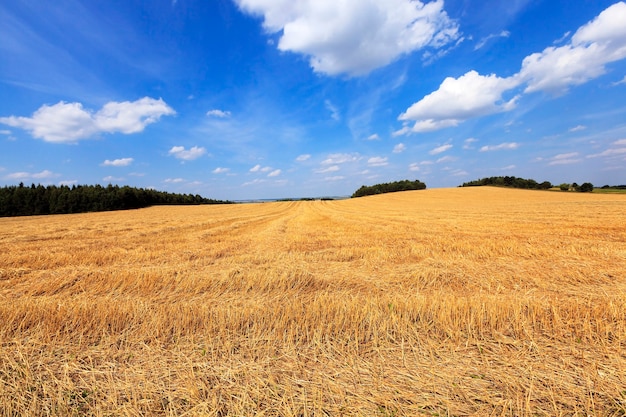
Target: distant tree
{"points": [[390, 187], [586, 187], [25, 201], [564, 187]]}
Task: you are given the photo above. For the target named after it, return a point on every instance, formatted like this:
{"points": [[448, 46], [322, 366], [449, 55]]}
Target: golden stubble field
{"points": [[473, 301]]}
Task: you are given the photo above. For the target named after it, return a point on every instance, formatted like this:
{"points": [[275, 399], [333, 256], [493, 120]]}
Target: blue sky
{"points": [[246, 99]]}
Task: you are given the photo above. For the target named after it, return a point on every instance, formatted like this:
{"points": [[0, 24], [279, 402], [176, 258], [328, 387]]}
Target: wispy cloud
{"points": [[565, 159], [440, 149], [303, 157], [332, 168], [377, 161], [274, 173], [373, 136], [43, 175], [578, 128], [500, 147], [399, 148], [340, 158], [220, 170], [334, 112], [483, 41], [467, 143]]}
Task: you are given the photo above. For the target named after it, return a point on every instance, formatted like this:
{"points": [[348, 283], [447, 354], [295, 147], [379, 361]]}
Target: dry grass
{"points": [[476, 301]]}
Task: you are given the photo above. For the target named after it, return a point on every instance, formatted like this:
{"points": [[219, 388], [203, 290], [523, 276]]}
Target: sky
{"points": [[254, 99]]}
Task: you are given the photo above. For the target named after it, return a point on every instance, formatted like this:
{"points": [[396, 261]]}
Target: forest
{"points": [[389, 187], [23, 200]]}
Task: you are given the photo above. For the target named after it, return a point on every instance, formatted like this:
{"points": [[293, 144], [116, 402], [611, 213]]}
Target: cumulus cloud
{"points": [[123, 162], [173, 180], [274, 173], [377, 161], [373, 136], [595, 44], [218, 113], [459, 99], [440, 149], [220, 170], [303, 157], [500, 147], [399, 148], [555, 69], [70, 122], [354, 36], [414, 167], [180, 152]]}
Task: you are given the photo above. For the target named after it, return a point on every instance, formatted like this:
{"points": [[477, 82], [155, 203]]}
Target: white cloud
{"points": [[112, 179], [373, 137], [303, 157], [333, 168], [180, 152], [622, 81], [595, 44], [446, 158], [399, 148], [377, 161], [220, 170], [5, 132], [620, 142], [45, 174], [483, 41], [565, 159], [218, 113], [354, 36], [467, 143], [173, 180], [555, 69], [334, 112], [340, 158], [440, 149], [335, 178], [274, 173], [259, 168], [70, 122], [414, 167], [500, 147], [578, 128], [123, 162], [253, 182], [609, 152], [459, 99]]}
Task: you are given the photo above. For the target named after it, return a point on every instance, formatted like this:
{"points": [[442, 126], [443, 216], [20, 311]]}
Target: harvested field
{"points": [[447, 302]]}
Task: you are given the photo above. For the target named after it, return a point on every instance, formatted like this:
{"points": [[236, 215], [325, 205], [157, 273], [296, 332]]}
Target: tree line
{"points": [[23, 200], [529, 184], [389, 187]]}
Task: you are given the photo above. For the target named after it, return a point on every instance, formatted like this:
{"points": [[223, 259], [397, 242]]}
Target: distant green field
{"points": [[609, 191]]}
